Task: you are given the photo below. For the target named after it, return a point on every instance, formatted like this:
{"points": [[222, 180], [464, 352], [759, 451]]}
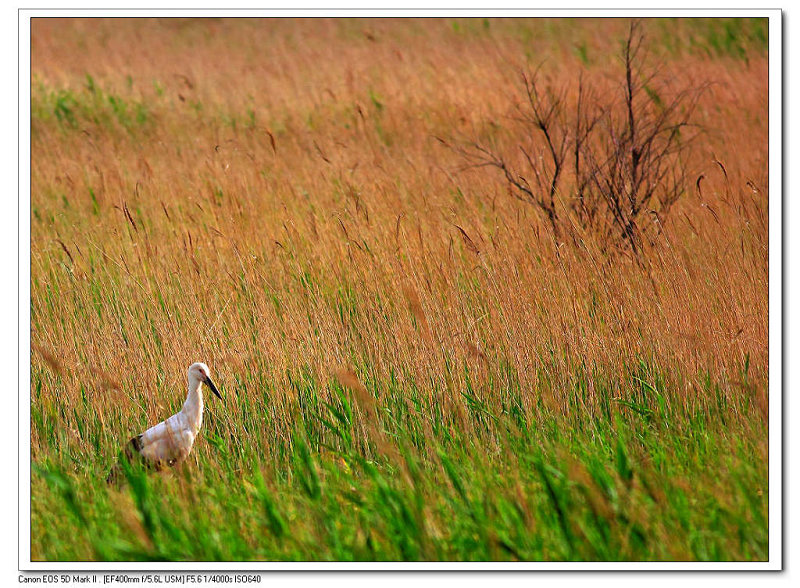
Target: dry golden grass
{"points": [[342, 205]]}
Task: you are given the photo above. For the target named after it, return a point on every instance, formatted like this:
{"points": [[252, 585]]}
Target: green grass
{"points": [[725, 37], [528, 486], [91, 105]]}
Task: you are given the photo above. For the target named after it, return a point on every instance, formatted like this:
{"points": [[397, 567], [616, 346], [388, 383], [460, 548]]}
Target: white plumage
{"points": [[169, 442]]}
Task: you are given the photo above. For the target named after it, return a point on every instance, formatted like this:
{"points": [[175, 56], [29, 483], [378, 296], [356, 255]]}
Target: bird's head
{"points": [[199, 371]]}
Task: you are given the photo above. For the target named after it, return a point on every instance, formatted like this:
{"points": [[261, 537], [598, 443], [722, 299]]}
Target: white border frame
{"points": [[776, 502]]}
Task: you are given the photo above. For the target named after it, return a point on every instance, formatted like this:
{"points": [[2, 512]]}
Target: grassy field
{"points": [[413, 365]]}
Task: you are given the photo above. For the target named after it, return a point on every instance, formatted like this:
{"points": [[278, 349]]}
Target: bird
{"points": [[170, 441]]}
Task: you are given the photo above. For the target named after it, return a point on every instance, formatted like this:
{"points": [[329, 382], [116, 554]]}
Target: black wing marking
{"points": [[132, 453]]}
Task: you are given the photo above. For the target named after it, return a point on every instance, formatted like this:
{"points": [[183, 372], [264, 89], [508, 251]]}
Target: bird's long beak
{"points": [[211, 385]]}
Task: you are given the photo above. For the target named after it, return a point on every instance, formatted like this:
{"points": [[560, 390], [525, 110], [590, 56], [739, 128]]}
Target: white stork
{"points": [[169, 442]]}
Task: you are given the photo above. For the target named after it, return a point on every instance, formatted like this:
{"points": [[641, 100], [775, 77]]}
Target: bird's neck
{"points": [[193, 407]]}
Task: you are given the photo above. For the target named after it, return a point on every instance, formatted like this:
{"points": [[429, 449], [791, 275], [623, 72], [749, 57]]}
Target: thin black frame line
{"points": [[612, 570]]}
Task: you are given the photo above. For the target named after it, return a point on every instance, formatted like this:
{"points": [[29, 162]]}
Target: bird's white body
{"points": [[170, 442]]}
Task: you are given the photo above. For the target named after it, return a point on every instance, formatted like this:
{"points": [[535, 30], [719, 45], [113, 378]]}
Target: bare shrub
{"points": [[613, 164]]}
